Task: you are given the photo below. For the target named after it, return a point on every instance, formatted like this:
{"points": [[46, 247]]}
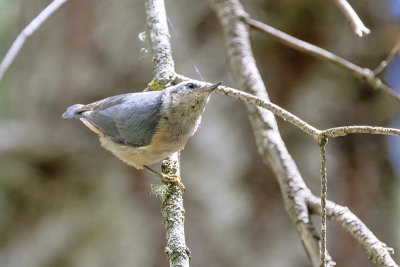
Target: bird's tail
{"points": [[73, 112]]}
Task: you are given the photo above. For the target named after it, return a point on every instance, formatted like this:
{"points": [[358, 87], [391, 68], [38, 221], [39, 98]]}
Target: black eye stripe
{"points": [[190, 85]]}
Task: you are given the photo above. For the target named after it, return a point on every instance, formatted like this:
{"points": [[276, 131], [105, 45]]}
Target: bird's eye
{"points": [[190, 85]]}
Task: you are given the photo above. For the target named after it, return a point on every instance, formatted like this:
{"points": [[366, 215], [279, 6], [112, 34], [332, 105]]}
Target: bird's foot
{"points": [[173, 178], [168, 177]]}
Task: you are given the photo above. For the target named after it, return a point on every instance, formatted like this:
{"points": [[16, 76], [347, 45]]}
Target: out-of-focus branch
{"points": [[26, 32], [297, 44], [385, 62], [172, 209], [268, 139], [377, 251], [358, 26]]}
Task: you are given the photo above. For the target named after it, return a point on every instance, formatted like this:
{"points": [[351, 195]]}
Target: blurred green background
{"points": [[64, 201]]}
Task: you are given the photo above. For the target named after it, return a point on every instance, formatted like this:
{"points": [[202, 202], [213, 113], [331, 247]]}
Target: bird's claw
{"points": [[173, 178]]}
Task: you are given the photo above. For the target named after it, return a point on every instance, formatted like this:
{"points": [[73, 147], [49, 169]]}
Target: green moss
{"points": [[155, 86]]}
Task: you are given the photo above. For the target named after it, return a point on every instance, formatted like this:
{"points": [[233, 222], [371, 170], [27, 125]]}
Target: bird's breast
{"points": [[138, 156], [172, 135]]}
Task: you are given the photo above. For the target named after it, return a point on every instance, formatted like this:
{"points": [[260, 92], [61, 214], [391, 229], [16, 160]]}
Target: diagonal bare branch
{"points": [[277, 110], [387, 60], [362, 73], [358, 26], [26, 32]]}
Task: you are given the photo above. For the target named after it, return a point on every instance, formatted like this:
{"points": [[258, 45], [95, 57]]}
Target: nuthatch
{"points": [[144, 128]]}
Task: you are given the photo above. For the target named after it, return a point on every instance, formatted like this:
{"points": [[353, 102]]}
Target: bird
{"points": [[144, 128]]}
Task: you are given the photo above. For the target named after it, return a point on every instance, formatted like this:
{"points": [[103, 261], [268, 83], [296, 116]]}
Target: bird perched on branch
{"points": [[144, 128]]}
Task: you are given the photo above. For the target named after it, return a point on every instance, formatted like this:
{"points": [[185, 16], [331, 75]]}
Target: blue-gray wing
{"points": [[129, 119]]}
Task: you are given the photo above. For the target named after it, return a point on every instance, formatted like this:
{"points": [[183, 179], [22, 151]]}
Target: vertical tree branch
{"points": [[173, 215], [172, 209], [322, 145]]}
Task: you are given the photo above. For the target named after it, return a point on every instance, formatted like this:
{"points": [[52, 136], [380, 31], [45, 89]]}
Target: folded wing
{"points": [[129, 119]]}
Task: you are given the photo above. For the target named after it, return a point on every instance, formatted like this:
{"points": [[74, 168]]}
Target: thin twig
{"points": [[324, 190], [377, 251], [345, 130], [297, 44], [172, 209], [26, 32], [358, 26], [387, 60], [277, 110]]}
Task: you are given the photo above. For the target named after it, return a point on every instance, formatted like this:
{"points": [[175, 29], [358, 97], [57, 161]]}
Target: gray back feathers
{"points": [[129, 119]]}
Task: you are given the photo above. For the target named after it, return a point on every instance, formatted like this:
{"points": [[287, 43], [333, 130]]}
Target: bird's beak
{"points": [[211, 87]]}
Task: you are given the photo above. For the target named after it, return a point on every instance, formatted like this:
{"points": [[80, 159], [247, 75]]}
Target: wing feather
{"points": [[129, 119]]}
